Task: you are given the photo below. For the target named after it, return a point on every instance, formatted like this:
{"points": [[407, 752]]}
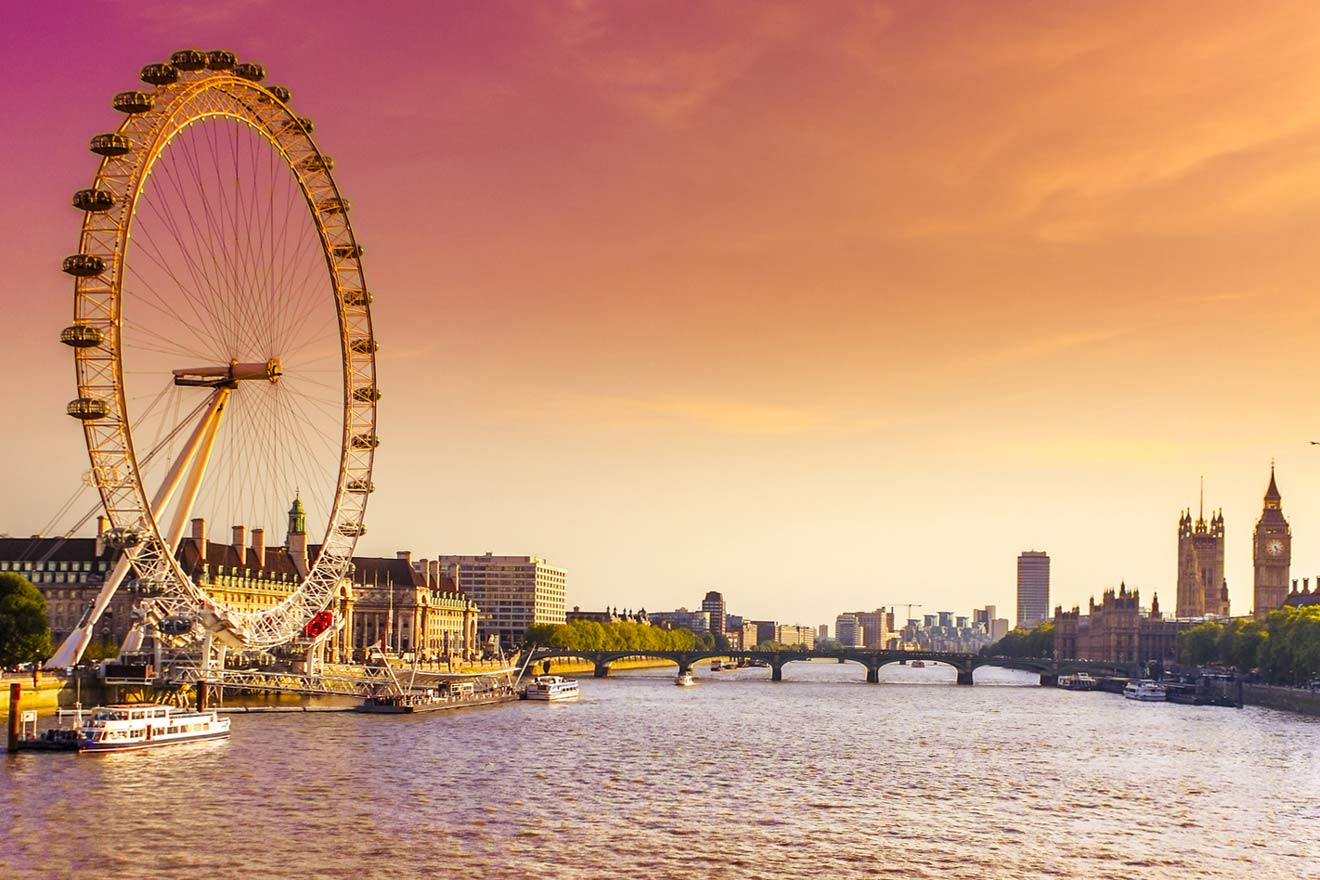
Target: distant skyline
{"points": [[826, 307]]}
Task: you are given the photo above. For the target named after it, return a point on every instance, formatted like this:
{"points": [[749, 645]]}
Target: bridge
{"points": [[965, 664]]}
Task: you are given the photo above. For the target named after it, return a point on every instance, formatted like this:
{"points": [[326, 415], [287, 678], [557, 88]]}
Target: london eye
{"points": [[223, 346]]}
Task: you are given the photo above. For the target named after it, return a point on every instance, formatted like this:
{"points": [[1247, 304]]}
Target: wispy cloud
{"points": [[700, 413]]}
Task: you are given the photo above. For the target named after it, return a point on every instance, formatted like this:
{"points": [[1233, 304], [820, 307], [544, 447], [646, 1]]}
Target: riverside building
{"points": [[513, 593], [69, 572], [1202, 589], [410, 609], [1117, 630], [846, 630], [713, 604], [1033, 588]]}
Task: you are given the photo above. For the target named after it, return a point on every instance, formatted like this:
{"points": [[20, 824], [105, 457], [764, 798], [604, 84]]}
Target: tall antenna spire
{"points": [[1201, 514]]}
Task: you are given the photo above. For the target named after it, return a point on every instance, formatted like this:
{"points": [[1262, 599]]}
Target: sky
{"points": [[824, 306]]}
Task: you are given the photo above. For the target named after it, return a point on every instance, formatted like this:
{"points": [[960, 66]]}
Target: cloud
{"points": [[701, 413], [665, 64], [1037, 349]]}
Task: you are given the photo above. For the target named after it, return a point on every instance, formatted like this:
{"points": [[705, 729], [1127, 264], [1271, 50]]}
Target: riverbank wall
{"points": [[1300, 700]]}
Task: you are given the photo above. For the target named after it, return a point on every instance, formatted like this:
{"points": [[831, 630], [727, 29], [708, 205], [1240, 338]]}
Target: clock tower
{"points": [[1271, 553]]}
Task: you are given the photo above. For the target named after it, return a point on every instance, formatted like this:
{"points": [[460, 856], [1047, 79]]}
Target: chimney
{"points": [[240, 544], [199, 537], [424, 567], [259, 547], [101, 525], [405, 555], [435, 575]]}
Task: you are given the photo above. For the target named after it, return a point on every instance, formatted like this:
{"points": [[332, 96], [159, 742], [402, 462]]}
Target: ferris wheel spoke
{"points": [[197, 327], [203, 293], [207, 284]]}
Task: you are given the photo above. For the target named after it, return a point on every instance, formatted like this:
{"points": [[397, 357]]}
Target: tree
{"points": [[1200, 644], [24, 632], [1035, 642], [540, 633]]}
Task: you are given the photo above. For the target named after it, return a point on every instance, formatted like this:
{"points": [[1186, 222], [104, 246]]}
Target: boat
{"points": [[453, 693], [1146, 691], [552, 689], [685, 679], [1082, 681], [124, 728], [918, 664], [716, 665]]}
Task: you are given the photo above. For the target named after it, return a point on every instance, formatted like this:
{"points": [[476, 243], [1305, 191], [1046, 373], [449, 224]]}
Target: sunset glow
{"points": [[825, 306]]}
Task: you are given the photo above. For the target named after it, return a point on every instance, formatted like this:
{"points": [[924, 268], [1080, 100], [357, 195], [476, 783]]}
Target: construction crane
{"points": [[909, 606]]}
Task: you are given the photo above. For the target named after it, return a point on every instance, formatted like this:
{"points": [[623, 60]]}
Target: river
{"points": [[820, 776]]}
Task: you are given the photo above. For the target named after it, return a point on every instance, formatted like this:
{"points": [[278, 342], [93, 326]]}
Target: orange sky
{"points": [[826, 306]]}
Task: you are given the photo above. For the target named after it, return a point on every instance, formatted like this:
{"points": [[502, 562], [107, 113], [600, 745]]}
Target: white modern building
{"points": [[513, 593]]}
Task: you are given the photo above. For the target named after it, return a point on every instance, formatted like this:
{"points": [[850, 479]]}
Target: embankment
{"points": [[1305, 702]]}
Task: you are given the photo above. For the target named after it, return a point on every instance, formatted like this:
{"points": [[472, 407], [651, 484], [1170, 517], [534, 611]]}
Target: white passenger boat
{"points": [[553, 689], [148, 726], [1145, 691], [685, 679]]}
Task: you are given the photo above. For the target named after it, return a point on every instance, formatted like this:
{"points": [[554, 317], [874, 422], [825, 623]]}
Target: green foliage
{"points": [[1200, 644], [768, 645], [102, 649], [1284, 648], [1031, 643], [619, 635], [24, 632]]}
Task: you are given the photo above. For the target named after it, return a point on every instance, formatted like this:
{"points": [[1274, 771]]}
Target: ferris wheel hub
{"points": [[230, 374]]}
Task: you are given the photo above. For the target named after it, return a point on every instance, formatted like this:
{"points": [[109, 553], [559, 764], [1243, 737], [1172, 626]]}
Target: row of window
{"points": [[85, 565]]}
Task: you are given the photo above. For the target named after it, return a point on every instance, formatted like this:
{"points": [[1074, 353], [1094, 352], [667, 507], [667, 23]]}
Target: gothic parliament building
{"points": [[1202, 587]]}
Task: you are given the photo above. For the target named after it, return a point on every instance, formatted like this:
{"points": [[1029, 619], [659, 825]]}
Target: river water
{"points": [[821, 775]]}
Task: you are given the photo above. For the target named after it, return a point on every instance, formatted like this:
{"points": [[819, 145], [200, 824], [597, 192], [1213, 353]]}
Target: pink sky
{"points": [[826, 306]]}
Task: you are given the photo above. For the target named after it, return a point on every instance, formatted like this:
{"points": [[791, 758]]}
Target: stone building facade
{"points": [[1117, 631], [1202, 589], [69, 572], [410, 609]]}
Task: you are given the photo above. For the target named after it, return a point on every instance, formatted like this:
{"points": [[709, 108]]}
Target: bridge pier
{"points": [[601, 670], [545, 666], [1049, 680], [777, 672], [873, 675], [965, 676]]}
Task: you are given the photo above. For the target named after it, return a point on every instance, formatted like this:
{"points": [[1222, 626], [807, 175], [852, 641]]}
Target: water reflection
{"points": [[819, 775]]}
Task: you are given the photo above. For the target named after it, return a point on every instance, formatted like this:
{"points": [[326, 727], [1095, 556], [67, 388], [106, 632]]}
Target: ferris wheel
{"points": [[224, 350]]}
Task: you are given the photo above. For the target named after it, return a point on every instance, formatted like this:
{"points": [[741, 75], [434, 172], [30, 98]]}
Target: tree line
{"points": [[1026, 643], [1284, 648], [617, 635]]}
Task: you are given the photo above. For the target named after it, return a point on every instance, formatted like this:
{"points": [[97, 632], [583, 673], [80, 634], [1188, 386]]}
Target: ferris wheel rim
{"points": [[157, 118]]}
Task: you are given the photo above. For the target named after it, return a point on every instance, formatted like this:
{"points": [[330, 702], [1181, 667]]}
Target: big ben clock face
{"points": [[1274, 547]]}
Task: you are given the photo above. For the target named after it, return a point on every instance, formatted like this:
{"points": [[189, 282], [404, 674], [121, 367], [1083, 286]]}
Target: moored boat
{"points": [[685, 679], [124, 728], [450, 692], [553, 689], [918, 664], [1082, 681], [1145, 691]]}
